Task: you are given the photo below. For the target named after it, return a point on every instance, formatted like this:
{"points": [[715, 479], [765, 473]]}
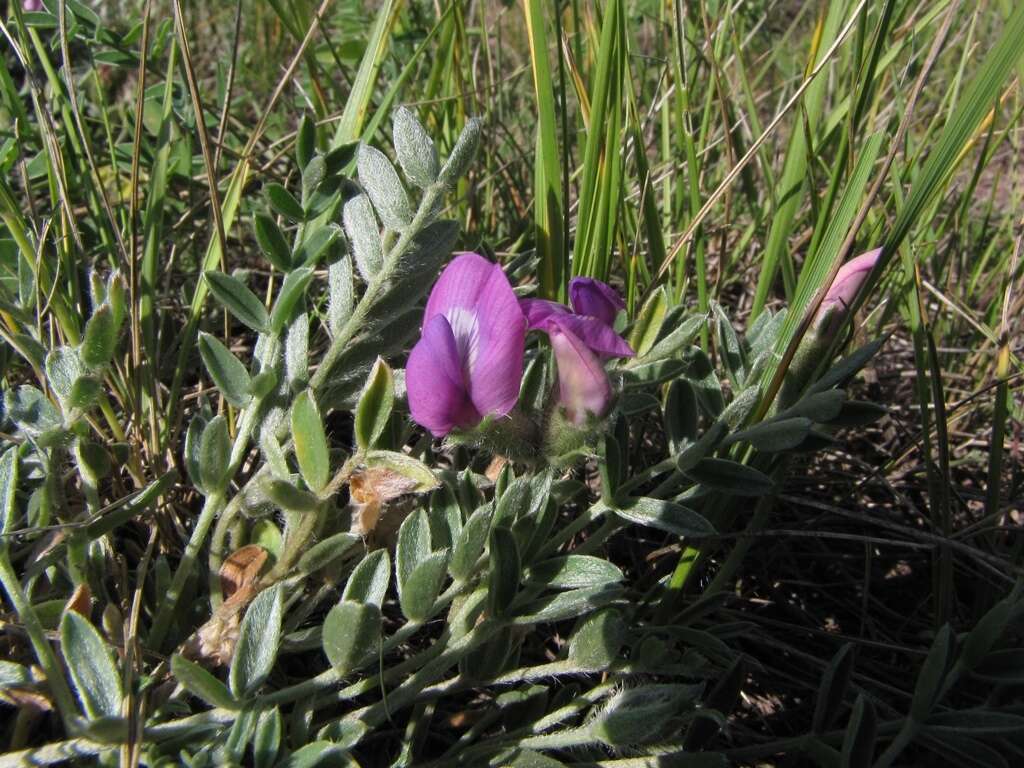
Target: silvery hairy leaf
{"points": [[416, 597], [63, 368], [847, 368], [380, 180], [665, 516], [309, 252], [643, 715], [100, 337], [226, 370], [469, 546], [266, 741], [193, 458], [290, 297], [413, 546], [819, 407], [258, 641], [765, 331], [368, 582], [311, 449], [214, 454], [91, 664], [648, 323], [775, 435], [706, 384], [296, 352], [430, 248], [598, 640], [272, 242], [201, 683], [649, 374], [341, 293], [326, 552], [8, 486], [305, 141], [445, 517], [462, 153], [239, 300], [505, 570], [680, 415], [363, 236], [289, 497], [741, 407], [375, 404], [312, 176], [284, 202], [574, 572], [416, 151], [676, 340], [351, 632], [729, 345], [30, 409], [567, 605], [730, 477]]}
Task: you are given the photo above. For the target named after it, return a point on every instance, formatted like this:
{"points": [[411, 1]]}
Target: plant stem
{"points": [[37, 636], [162, 622], [357, 320]]}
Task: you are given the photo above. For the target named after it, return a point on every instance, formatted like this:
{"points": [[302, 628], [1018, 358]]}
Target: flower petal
{"points": [[595, 298], [497, 368], [537, 311], [438, 396], [597, 335], [459, 285], [850, 278], [583, 385]]}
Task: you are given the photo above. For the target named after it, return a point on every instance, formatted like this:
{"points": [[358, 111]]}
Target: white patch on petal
{"points": [[466, 329]]}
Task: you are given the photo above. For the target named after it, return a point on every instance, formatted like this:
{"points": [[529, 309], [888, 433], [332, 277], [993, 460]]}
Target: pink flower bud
{"points": [[843, 291]]}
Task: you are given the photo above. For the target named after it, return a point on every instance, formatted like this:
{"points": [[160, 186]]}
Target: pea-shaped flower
{"points": [[581, 340], [469, 360], [595, 299], [843, 291]]}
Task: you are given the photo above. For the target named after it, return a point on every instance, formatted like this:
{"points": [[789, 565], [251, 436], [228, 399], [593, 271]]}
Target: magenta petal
{"points": [[598, 336], [596, 299], [497, 368], [583, 386], [537, 311], [438, 398], [459, 286]]}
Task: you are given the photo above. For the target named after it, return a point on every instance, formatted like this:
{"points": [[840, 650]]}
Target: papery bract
{"points": [[469, 359], [596, 299]]}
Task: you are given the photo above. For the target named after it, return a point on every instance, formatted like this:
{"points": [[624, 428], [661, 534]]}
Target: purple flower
{"points": [[32, 5], [843, 291], [596, 305], [581, 341], [583, 386], [596, 299], [469, 359]]}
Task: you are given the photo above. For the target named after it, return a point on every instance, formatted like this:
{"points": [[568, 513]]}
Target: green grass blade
{"points": [[549, 202]]}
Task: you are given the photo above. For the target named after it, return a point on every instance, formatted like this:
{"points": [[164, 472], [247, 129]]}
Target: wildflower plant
{"points": [[397, 496]]}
